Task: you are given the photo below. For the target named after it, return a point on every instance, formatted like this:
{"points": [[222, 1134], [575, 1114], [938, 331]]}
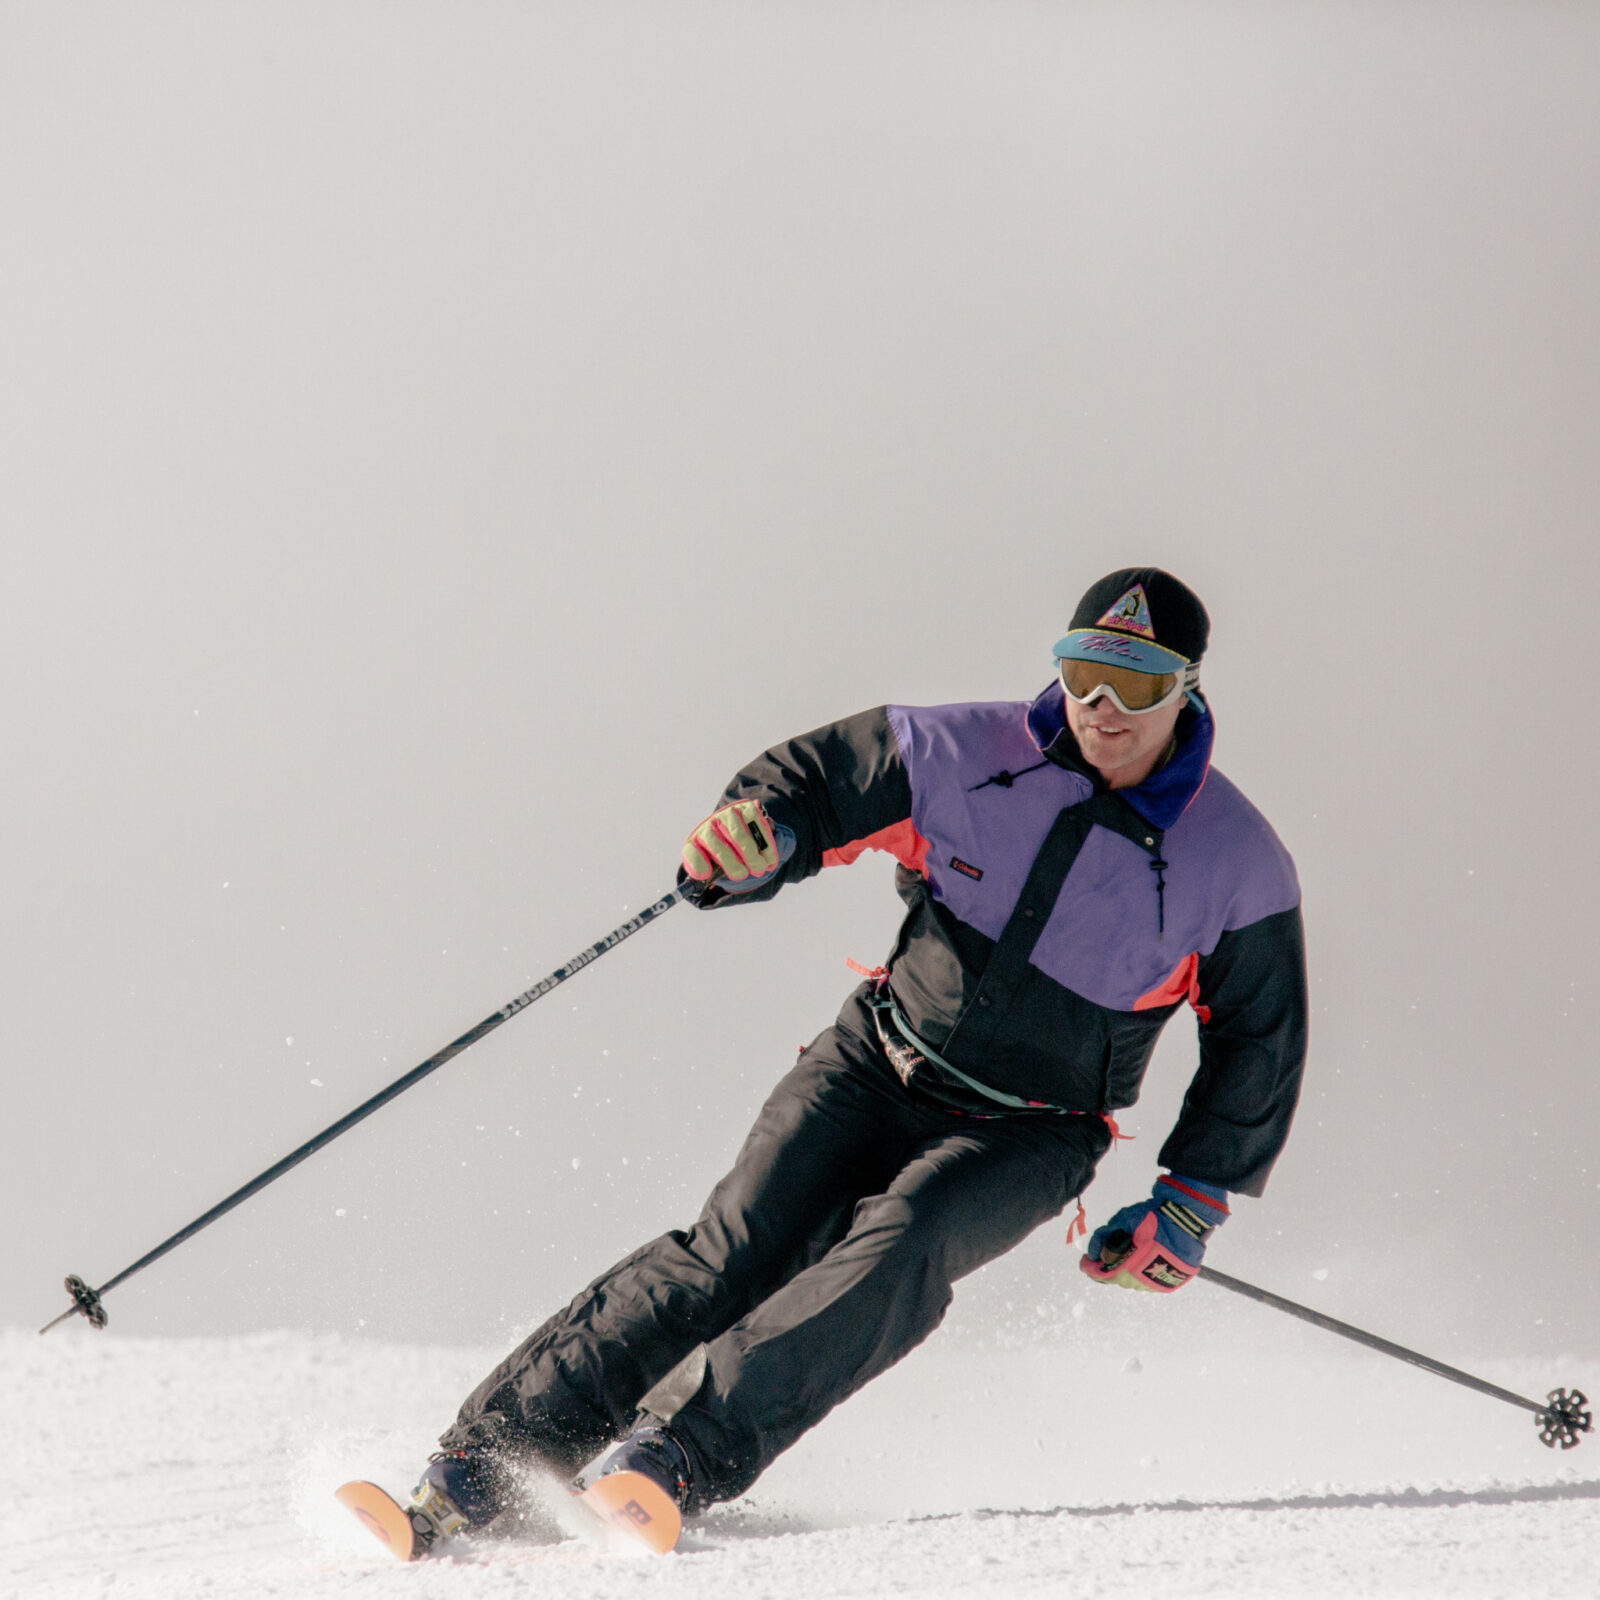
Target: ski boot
{"points": [[640, 1487], [458, 1493]]}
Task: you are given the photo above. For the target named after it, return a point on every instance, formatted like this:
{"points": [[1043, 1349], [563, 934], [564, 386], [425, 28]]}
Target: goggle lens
{"points": [[1138, 691]]}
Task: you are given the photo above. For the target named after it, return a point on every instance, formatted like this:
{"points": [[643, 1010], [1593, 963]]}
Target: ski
{"points": [[636, 1507], [628, 1504], [383, 1517]]}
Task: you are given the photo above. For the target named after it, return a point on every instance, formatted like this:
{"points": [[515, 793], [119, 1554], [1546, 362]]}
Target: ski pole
{"points": [[1561, 1418], [86, 1301]]}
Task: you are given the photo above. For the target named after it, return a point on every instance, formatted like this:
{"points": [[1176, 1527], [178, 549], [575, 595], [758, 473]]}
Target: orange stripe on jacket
{"points": [[1183, 984], [901, 840]]}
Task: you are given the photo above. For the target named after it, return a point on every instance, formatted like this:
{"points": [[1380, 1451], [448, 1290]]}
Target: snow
{"points": [[1130, 1453]]}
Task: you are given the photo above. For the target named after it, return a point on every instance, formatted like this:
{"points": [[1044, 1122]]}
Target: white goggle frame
{"points": [[1187, 682]]}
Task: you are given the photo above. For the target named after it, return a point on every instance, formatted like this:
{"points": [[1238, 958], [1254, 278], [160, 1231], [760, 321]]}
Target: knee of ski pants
{"points": [[910, 1258], [956, 1217], [912, 1240]]}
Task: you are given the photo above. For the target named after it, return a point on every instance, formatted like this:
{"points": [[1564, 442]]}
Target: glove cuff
{"points": [[1194, 1206]]}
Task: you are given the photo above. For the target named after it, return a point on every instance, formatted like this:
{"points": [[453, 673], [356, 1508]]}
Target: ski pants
{"points": [[825, 1255]]}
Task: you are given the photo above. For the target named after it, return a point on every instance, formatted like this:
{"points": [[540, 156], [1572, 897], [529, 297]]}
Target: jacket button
{"points": [[983, 1000], [1027, 911]]}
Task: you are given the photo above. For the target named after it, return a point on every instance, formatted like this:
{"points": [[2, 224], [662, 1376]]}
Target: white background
{"points": [[439, 444]]}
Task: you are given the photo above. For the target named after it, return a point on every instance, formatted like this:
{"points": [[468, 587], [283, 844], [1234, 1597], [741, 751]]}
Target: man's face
{"points": [[1124, 750]]}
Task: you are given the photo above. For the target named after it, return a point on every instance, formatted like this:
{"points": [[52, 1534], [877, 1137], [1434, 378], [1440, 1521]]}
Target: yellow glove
{"points": [[736, 842]]}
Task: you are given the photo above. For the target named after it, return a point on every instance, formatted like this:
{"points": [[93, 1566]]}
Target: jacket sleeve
{"points": [[840, 789], [1252, 1006]]}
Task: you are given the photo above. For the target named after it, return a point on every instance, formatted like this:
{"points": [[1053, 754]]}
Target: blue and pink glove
{"points": [[1159, 1243]]}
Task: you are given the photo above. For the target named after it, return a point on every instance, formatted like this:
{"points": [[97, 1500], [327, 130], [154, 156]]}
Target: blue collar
{"points": [[1165, 795]]}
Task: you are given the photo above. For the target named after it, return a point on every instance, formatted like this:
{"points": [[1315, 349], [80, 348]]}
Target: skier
{"points": [[1074, 870]]}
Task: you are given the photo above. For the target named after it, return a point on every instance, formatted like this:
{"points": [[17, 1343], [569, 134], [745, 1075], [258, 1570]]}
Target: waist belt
{"points": [[907, 1051]]}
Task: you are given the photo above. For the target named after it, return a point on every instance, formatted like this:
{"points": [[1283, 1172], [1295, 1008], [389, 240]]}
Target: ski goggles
{"points": [[1134, 693]]}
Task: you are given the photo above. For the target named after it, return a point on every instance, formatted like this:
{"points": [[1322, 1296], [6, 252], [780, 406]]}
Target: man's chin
{"points": [[1109, 750], [1115, 759]]}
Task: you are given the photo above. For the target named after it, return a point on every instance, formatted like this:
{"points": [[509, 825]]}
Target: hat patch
{"points": [[1131, 613]]}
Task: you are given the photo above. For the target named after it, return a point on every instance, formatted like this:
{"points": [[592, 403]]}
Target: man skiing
{"points": [[1073, 871]]}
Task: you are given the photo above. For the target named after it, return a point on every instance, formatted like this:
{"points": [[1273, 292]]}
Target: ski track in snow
{"points": [[205, 1467]]}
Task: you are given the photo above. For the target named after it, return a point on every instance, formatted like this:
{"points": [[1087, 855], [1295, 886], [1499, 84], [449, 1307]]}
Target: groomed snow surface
{"points": [[1153, 1456]]}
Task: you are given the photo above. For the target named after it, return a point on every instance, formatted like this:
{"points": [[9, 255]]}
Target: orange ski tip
{"points": [[383, 1517], [637, 1507]]}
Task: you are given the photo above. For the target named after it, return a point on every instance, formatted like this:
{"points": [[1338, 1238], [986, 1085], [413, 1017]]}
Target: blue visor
{"points": [[1119, 650]]}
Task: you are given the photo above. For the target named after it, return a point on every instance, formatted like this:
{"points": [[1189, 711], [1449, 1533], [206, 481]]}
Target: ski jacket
{"points": [[1053, 926]]}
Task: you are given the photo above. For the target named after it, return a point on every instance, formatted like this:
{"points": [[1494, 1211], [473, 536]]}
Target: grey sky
{"points": [[441, 443]]}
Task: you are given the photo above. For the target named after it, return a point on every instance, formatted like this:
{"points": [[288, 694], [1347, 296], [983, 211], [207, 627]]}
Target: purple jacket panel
{"points": [[951, 753], [1104, 938]]}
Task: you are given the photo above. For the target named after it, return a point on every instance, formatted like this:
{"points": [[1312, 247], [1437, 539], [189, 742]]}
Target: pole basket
{"points": [[1564, 1418], [85, 1303]]}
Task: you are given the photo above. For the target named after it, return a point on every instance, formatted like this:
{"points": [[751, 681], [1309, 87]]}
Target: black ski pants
{"points": [[825, 1255]]}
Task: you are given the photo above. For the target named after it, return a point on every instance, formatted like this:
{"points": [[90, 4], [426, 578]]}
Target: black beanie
{"points": [[1145, 603]]}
